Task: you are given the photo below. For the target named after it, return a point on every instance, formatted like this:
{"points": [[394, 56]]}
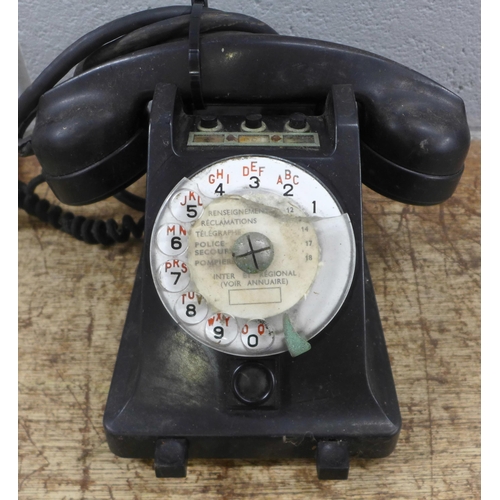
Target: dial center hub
{"points": [[253, 252]]}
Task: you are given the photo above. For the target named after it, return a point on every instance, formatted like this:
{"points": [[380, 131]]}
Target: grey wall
{"points": [[439, 38]]}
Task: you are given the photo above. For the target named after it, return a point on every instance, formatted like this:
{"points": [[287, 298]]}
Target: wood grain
{"points": [[73, 297]]}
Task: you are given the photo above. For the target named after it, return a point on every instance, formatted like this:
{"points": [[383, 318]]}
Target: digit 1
{"points": [[314, 207]]}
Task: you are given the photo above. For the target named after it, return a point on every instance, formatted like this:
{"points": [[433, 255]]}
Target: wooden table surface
{"points": [[73, 297]]}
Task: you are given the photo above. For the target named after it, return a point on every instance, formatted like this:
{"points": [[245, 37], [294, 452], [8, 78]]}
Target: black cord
{"points": [[131, 200], [194, 54], [112, 40], [96, 39], [85, 229], [83, 47], [169, 29]]}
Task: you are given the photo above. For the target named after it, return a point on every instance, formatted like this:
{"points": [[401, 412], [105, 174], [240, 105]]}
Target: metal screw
{"points": [[253, 252]]}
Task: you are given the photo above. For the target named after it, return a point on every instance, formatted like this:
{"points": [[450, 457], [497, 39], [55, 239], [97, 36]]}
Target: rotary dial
{"points": [[252, 256]]}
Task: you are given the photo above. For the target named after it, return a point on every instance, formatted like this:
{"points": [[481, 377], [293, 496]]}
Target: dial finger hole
{"points": [[221, 328], [256, 335]]}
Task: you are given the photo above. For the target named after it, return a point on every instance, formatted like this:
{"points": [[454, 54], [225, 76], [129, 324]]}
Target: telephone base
{"points": [[174, 396]]}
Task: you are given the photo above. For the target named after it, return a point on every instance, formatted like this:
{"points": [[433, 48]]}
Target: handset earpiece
{"points": [[90, 146]]}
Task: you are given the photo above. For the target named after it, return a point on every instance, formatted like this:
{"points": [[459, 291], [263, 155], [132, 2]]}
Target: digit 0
{"points": [[253, 340]]}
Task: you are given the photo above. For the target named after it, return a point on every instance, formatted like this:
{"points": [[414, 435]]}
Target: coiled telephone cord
{"points": [[92, 231]]}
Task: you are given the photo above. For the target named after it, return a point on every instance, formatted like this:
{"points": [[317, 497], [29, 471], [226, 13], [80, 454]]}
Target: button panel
{"points": [[292, 130]]}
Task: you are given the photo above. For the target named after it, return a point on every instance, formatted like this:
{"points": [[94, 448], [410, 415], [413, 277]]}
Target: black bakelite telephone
{"points": [[253, 330]]}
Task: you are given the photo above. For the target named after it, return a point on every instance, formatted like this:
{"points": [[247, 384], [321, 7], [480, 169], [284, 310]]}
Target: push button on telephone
{"points": [[253, 383], [209, 123], [297, 123], [253, 123]]}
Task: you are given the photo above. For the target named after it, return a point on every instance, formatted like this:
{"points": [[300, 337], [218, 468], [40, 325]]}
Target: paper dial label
{"points": [[261, 294]]}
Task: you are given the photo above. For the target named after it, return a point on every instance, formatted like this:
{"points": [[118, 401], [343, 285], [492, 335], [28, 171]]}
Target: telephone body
{"points": [[253, 329]]}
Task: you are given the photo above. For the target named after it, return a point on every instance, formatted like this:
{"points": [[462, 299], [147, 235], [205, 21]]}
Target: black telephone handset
{"points": [[253, 329]]}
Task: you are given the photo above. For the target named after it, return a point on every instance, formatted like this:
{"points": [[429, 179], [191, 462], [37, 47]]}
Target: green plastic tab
{"points": [[295, 343]]}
